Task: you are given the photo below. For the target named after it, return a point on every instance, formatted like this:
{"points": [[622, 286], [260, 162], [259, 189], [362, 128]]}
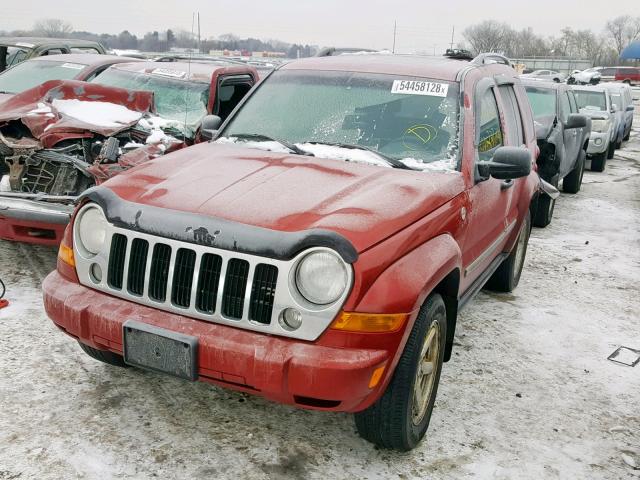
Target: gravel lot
{"points": [[529, 393]]}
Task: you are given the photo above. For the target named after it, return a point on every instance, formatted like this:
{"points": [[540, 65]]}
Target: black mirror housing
{"points": [[507, 163], [576, 121], [630, 108], [209, 126]]}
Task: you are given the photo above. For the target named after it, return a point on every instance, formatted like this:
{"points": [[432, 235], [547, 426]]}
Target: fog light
{"points": [[96, 273], [290, 319], [598, 141]]}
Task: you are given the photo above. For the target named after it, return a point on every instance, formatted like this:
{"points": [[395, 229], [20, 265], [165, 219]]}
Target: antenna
{"points": [[199, 42], [186, 90], [395, 31]]}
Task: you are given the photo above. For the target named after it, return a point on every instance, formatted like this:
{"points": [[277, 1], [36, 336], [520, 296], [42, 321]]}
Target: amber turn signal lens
{"points": [[376, 376], [369, 322], [66, 255]]}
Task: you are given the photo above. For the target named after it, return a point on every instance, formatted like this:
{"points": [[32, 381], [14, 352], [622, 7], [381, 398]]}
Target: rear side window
{"points": [[489, 126], [84, 50], [572, 102], [515, 135]]}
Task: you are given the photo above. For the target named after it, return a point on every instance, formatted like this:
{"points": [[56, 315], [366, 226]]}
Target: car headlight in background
{"points": [[599, 126], [321, 277], [91, 229]]}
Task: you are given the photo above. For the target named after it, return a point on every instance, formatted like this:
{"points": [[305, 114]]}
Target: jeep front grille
{"points": [[182, 268]]}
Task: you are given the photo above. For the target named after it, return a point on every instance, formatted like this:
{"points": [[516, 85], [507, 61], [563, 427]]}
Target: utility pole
{"points": [[199, 44], [395, 31], [453, 32]]}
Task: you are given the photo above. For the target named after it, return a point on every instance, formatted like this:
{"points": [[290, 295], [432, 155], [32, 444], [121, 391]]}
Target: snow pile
{"points": [[159, 137], [269, 146], [101, 114], [347, 154], [153, 122], [444, 165], [43, 109]]}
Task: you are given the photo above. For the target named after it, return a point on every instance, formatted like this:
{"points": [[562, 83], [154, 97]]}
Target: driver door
{"points": [[490, 199]]}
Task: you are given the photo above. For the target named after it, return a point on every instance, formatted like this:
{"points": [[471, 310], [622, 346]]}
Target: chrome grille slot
{"points": [[263, 290], [137, 266], [210, 268], [183, 277], [117, 257], [235, 285], [159, 274]]}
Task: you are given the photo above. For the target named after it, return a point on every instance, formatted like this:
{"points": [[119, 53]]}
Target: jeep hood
{"points": [[283, 192]]}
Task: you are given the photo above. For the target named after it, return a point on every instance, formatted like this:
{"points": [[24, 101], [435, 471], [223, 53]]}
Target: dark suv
{"points": [[318, 251], [563, 137]]}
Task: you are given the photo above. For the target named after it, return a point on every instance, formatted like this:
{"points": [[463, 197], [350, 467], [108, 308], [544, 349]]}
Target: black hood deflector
{"points": [[215, 232]]}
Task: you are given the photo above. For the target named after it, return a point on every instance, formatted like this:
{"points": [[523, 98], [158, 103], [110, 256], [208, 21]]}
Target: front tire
{"points": [[544, 212], [400, 417], [572, 183], [507, 276], [599, 162], [103, 356]]}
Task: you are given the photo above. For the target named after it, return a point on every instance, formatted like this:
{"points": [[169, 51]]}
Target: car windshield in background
{"points": [[590, 100], [31, 74], [412, 120], [543, 101], [13, 55], [175, 100]]}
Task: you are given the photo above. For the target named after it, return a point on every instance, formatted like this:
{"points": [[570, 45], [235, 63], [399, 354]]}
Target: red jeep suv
{"points": [[318, 250]]}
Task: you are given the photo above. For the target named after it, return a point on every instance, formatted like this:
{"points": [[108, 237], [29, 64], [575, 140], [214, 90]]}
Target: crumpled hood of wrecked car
{"points": [[364, 203]]}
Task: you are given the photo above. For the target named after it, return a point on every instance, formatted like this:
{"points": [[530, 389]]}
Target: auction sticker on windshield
{"points": [[414, 87]]}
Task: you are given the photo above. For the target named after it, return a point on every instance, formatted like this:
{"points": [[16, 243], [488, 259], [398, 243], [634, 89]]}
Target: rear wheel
{"points": [[627, 136], [611, 150], [544, 212], [400, 417], [103, 355], [507, 276], [573, 182], [599, 162]]}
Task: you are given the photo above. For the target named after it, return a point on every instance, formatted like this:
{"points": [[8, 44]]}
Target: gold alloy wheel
{"points": [[426, 373]]}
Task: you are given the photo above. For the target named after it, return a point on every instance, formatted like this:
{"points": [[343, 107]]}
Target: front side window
{"points": [[591, 100], [515, 134], [180, 101], [31, 74], [341, 114], [14, 55], [565, 107], [491, 137], [616, 99]]}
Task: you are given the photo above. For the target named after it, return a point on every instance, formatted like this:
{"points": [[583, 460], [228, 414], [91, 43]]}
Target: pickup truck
{"points": [[318, 250], [62, 137], [563, 138]]}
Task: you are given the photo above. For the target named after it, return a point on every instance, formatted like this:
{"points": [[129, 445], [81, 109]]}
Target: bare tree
{"points": [[488, 36], [623, 30], [53, 27]]}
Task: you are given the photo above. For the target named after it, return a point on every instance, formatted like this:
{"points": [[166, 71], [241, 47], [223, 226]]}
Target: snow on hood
{"points": [[100, 114]]}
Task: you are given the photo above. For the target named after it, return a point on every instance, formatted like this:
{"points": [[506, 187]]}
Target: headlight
{"points": [[321, 277], [91, 229], [599, 126]]}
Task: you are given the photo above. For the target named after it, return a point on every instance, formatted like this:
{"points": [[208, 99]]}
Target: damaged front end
{"points": [[58, 140]]}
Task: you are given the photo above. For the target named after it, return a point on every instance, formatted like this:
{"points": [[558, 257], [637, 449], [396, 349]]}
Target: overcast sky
{"points": [[422, 25]]}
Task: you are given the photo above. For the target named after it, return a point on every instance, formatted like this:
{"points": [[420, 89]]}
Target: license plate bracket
{"points": [[160, 350]]}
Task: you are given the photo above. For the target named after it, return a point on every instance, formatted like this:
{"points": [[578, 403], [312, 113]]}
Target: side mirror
{"points": [[576, 120], [630, 108], [209, 126], [507, 163]]}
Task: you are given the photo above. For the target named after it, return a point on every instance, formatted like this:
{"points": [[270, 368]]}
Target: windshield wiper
{"points": [[260, 137], [394, 162]]}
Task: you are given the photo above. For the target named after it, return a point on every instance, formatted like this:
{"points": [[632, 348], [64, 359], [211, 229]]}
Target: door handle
{"points": [[506, 184]]}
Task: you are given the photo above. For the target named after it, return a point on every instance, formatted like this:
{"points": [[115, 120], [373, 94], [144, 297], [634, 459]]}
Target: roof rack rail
{"points": [[458, 54], [490, 57]]}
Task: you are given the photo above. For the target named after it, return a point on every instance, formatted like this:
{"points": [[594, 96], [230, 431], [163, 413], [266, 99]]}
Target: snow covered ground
{"points": [[529, 393]]}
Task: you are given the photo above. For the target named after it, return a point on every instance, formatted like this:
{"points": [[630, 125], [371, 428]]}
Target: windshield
{"points": [[175, 100], [31, 74], [591, 100], [543, 101], [407, 119]]}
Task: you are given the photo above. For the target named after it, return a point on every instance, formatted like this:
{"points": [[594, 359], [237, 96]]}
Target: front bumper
{"points": [[598, 142], [304, 374], [33, 221]]}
